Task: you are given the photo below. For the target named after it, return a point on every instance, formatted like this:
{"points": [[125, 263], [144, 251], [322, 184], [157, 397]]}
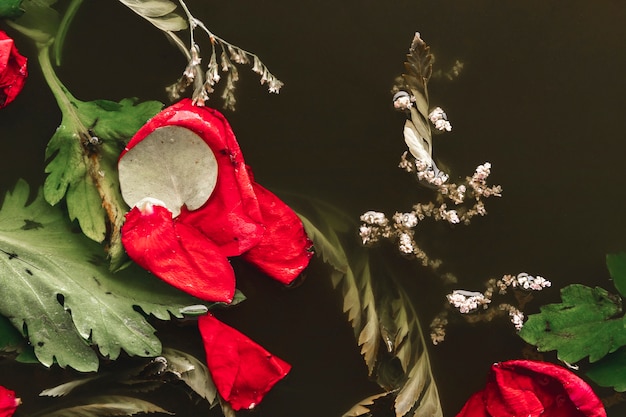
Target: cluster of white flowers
{"points": [[406, 220], [451, 216], [439, 118], [516, 316], [402, 100], [467, 301], [522, 281], [405, 243]]}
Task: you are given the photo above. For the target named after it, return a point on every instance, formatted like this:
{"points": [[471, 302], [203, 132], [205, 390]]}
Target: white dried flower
{"points": [[405, 220], [405, 243], [466, 301], [439, 118], [402, 100], [374, 218]]}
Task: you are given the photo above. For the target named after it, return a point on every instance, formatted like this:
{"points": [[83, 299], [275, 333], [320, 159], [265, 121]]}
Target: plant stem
{"points": [[64, 26]]}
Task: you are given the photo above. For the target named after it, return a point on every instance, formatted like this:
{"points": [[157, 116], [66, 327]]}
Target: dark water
{"points": [[541, 97]]}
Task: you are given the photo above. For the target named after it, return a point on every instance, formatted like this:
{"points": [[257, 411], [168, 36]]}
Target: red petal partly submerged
{"points": [[13, 70], [8, 402], [533, 389], [242, 370], [285, 250], [178, 254], [231, 217]]}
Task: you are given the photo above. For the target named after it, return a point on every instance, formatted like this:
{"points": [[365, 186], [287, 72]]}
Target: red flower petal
{"points": [[558, 383], [178, 254], [8, 402], [242, 370], [13, 70], [474, 407], [532, 389], [231, 217], [285, 249]]}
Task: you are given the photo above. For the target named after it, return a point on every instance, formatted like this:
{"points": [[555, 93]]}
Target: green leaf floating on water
{"points": [[584, 324], [616, 263], [10, 9], [59, 292]]}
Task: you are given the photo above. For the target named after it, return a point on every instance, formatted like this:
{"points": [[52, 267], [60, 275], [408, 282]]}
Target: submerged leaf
{"points": [[158, 12], [192, 372], [63, 296], [378, 309], [66, 388], [582, 325], [110, 405]]}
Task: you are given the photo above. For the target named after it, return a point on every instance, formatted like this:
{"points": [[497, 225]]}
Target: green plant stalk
{"points": [[64, 26]]}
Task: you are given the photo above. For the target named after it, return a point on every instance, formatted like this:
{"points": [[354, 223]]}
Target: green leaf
{"points": [[10, 9], [82, 166], [616, 263], [584, 324], [109, 405], [378, 309], [158, 12], [39, 22], [610, 371], [192, 372], [63, 296]]}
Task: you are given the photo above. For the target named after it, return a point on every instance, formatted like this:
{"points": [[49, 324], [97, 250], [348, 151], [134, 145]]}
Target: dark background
{"points": [[540, 97]]}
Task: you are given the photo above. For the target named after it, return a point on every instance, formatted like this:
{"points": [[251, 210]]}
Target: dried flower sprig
{"points": [[474, 305], [465, 201], [229, 55]]}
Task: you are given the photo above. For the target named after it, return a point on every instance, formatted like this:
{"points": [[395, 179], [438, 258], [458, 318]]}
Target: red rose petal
{"points": [[8, 402], [231, 217], [178, 254], [474, 407], [533, 389], [13, 70], [558, 380], [242, 370], [285, 250]]}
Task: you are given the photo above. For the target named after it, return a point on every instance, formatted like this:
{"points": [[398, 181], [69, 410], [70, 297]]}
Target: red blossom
{"points": [[242, 370], [13, 70], [524, 388], [8, 402], [239, 217]]}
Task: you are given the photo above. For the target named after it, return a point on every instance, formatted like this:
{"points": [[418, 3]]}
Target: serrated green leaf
{"points": [[582, 325], [10, 9], [373, 302], [63, 295], [82, 164], [192, 372], [110, 405], [610, 371], [616, 263]]}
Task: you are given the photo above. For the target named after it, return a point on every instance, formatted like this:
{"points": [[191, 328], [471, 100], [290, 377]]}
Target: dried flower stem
{"points": [[229, 55], [474, 306]]}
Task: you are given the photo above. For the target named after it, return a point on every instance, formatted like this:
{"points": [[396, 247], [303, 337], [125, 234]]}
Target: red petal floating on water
{"points": [[178, 254], [285, 249], [532, 389], [231, 217], [242, 370], [13, 71], [8, 402]]}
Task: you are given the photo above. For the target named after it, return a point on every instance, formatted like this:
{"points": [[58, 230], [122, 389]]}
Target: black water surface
{"points": [[541, 97]]}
